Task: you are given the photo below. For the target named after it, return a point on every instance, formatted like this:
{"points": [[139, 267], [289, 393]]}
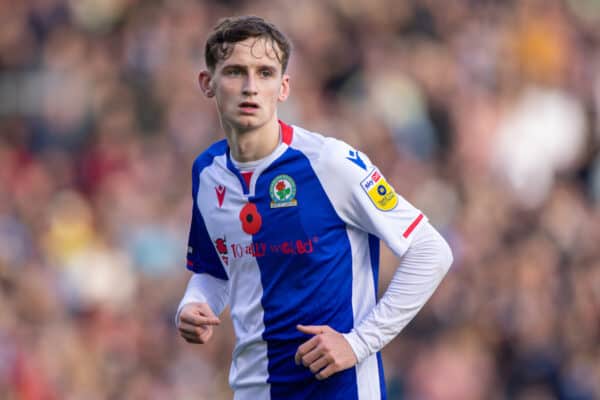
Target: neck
{"points": [[252, 145]]}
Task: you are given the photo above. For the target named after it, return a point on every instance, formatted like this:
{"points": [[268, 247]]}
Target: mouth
{"points": [[248, 106]]}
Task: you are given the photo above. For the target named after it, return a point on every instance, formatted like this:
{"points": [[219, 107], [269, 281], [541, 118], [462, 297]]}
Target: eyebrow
{"points": [[243, 66]]}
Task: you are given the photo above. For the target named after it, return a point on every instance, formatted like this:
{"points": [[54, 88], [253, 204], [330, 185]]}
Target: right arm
{"points": [[204, 299], [207, 292]]}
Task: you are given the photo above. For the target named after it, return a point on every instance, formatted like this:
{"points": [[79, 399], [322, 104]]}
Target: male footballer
{"points": [[285, 229]]}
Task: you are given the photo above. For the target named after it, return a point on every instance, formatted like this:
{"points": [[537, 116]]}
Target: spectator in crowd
{"points": [[99, 116]]}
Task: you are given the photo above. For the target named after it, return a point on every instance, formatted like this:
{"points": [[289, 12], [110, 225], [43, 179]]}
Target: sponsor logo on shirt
{"points": [[283, 192], [261, 249], [379, 191], [354, 156]]}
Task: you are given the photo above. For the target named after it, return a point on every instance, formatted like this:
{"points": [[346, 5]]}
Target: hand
{"points": [[196, 322], [325, 353]]}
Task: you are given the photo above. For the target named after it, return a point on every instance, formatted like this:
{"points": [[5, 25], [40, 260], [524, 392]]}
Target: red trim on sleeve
{"points": [[287, 133], [189, 263], [412, 226]]}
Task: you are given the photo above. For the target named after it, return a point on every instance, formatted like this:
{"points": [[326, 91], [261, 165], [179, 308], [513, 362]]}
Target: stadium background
{"points": [[485, 114]]}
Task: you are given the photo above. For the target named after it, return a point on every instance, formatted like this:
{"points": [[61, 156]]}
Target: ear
{"points": [[206, 84], [284, 90]]}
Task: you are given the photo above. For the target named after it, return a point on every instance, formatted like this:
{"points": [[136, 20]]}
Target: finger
{"points": [[327, 372], [319, 364], [312, 329], [305, 348], [185, 327], [205, 336], [197, 319], [204, 310], [197, 336], [311, 356], [198, 331], [191, 338]]}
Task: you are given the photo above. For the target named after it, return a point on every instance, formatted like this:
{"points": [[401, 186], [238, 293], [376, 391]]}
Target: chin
{"points": [[247, 123], [244, 122]]}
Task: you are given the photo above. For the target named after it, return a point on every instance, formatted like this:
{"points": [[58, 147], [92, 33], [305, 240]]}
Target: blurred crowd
{"points": [[484, 114]]}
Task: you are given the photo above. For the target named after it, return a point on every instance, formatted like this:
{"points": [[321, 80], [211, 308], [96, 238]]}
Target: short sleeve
{"points": [[201, 254], [363, 197]]}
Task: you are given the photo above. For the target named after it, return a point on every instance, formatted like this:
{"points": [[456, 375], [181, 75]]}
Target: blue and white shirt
{"points": [[298, 245]]}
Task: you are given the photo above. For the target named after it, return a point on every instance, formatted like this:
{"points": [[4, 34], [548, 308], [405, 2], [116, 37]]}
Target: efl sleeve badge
{"points": [[379, 191]]}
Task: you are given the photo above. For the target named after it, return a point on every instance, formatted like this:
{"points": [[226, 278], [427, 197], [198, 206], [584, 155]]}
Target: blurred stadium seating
{"points": [[484, 114]]}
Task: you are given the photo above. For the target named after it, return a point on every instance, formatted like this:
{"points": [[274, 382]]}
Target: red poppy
{"points": [[251, 219]]}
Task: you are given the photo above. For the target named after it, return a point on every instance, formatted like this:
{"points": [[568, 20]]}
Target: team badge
{"points": [[283, 192], [379, 191]]}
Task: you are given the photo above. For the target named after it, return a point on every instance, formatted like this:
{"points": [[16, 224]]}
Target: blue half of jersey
{"points": [[310, 289]]}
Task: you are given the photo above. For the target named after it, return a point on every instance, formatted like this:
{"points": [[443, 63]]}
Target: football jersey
{"points": [[299, 244]]}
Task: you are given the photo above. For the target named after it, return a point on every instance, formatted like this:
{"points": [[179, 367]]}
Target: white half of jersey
{"points": [[299, 245]]}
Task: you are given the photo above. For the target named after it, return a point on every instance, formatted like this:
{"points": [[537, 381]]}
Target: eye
{"points": [[233, 72], [266, 73]]}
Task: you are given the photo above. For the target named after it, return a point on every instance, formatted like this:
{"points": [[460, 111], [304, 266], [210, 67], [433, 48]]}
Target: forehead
{"points": [[253, 52]]}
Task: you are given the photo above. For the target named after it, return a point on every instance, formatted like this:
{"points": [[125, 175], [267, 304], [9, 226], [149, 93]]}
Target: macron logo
{"points": [[354, 156], [220, 190]]}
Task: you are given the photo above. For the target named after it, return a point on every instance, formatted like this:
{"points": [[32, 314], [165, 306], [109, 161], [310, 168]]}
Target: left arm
{"points": [[420, 272], [364, 200]]}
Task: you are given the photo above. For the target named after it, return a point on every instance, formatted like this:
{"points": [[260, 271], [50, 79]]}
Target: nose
{"points": [[249, 88]]}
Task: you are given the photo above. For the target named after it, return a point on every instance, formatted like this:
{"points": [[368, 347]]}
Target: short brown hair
{"points": [[229, 31]]}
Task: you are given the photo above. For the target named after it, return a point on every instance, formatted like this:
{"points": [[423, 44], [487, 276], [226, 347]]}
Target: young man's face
{"points": [[248, 84]]}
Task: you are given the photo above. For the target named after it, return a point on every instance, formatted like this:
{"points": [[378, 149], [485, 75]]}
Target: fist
{"points": [[196, 322]]}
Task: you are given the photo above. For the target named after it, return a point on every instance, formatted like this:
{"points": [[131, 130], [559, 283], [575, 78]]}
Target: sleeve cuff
{"points": [[360, 348], [189, 297]]}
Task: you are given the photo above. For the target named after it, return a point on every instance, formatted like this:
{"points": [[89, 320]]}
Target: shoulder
{"points": [[206, 158], [332, 157], [307, 142], [319, 146]]}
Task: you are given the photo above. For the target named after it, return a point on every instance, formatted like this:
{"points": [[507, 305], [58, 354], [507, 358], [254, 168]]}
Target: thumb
{"points": [[211, 321], [205, 311], [312, 329]]}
